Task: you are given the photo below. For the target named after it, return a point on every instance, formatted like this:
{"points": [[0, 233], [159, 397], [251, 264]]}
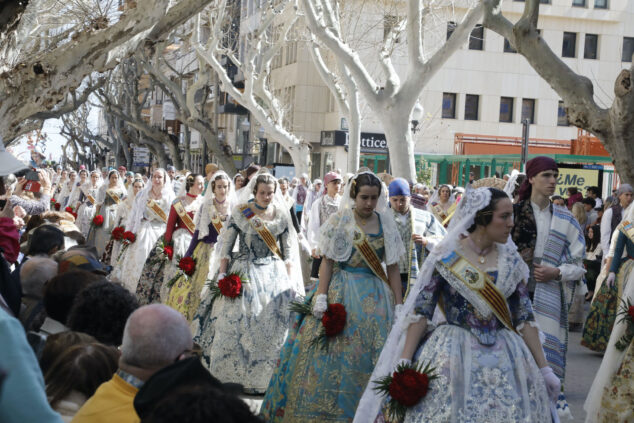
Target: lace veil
{"points": [[138, 209], [435, 197], [101, 194], [510, 186], [202, 218]]}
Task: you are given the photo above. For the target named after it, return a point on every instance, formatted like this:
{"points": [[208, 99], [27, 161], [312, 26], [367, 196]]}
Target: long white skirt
{"points": [[479, 383], [131, 263], [85, 213]]}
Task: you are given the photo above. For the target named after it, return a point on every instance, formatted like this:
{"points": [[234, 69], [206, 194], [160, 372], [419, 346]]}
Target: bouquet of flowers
{"points": [[406, 387], [117, 233], [70, 210], [97, 220], [231, 286], [57, 206], [127, 239], [332, 322], [163, 252], [53, 201], [186, 266], [626, 313]]}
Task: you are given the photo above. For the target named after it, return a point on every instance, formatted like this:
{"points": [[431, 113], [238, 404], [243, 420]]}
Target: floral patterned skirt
{"points": [[617, 403], [184, 295], [598, 326], [312, 384], [149, 287]]}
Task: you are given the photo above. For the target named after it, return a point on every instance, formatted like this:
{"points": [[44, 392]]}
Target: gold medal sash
{"points": [[627, 229], [215, 219], [441, 215], [91, 199], [180, 210], [259, 226], [480, 283], [152, 205], [360, 241], [115, 197]]}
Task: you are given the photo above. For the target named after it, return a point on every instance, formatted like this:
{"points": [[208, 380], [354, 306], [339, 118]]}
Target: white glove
{"points": [[609, 281], [553, 384], [221, 276], [320, 306]]}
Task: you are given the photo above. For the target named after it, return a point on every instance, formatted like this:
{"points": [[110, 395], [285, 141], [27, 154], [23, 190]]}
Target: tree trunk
{"points": [[399, 142], [354, 138], [187, 159], [301, 158]]}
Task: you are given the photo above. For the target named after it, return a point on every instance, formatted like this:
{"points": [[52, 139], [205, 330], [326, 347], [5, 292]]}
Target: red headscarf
{"points": [[533, 168]]}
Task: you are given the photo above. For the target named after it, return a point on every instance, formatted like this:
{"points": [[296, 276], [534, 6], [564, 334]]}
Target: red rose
{"points": [[117, 233], [408, 387], [97, 220], [57, 206], [630, 311], [334, 319], [230, 286], [74, 215], [129, 237], [168, 250], [188, 265], [53, 201], [69, 209]]}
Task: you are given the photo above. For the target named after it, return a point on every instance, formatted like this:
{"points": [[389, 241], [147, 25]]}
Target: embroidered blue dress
{"points": [[486, 371], [313, 384]]}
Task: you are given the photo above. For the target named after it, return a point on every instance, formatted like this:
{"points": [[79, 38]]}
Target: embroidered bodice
{"points": [[108, 201], [251, 245], [148, 214]]}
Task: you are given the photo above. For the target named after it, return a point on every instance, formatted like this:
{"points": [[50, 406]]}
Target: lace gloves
{"points": [[553, 384], [320, 306], [609, 281]]}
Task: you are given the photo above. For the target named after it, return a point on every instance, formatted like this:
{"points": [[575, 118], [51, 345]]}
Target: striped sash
{"points": [[180, 210], [259, 226], [152, 205], [370, 258], [91, 199], [115, 197], [627, 229], [480, 283], [215, 219], [442, 216]]}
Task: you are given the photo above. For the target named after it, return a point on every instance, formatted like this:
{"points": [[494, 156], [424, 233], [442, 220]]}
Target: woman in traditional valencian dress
{"points": [[611, 396], [87, 198], [109, 196], [488, 358], [212, 216], [67, 187], [75, 191], [315, 384], [123, 211], [441, 202], [147, 222], [242, 337]]}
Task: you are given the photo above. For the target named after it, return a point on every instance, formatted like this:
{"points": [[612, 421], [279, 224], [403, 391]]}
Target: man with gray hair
{"points": [[612, 216], [154, 337], [34, 273]]}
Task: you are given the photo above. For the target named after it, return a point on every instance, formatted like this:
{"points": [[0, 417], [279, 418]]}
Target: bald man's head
{"points": [[155, 336]]}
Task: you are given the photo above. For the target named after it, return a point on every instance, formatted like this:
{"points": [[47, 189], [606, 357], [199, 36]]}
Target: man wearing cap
{"points": [[322, 208], [419, 230], [122, 171], [612, 216], [551, 242]]}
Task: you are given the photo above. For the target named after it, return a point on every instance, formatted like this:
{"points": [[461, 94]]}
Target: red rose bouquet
{"points": [[406, 387], [231, 286], [69, 209], [117, 233], [626, 314], [53, 201], [187, 265], [332, 322], [57, 206], [97, 220], [168, 250], [127, 238]]}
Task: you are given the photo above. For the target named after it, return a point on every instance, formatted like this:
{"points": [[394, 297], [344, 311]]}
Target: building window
{"points": [[562, 117], [628, 49], [451, 27], [476, 39], [471, 104], [600, 4], [448, 105], [569, 48], [579, 3], [508, 48], [506, 109], [590, 46], [528, 110]]}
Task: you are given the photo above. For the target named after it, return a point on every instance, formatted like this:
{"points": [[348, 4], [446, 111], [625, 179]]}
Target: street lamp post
{"points": [[245, 126]]}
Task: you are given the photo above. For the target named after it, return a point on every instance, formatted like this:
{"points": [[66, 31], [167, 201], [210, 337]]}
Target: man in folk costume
{"points": [[419, 230], [551, 242], [322, 208]]}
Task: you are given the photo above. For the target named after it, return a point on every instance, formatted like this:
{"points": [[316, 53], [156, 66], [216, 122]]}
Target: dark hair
{"points": [[556, 197], [80, 368], [197, 404], [282, 180], [221, 176], [365, 179], [189, 181], [265, 178], [57, 343], [60, 292], [484, 216], [44, 239], [101, 310], [591, 244], [572, 190], [589, 201], [594, 190]]}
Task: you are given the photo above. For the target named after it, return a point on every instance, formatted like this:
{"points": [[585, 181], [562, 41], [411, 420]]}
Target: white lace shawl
{"points": [[202, 219]]}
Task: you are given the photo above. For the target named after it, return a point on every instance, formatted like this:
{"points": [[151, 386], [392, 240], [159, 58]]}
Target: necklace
{"points": [[259, 207], [480, 252], [220, 202], [363, 220]]}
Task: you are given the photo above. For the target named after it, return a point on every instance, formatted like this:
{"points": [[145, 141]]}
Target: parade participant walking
{"points": [[299, 195], [551, 242], [211, 218], [146, 224], [612, 216], [67, 187], [442, 204], [123, 211], [109, 196], [73, 198], [419, 231], [87, 201], [488, 361], [318, 383], [321, 210], [242, 335], [313, 195]]}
